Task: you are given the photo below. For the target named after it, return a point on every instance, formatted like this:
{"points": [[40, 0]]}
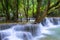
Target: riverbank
{"points": [[13, 22], [24, 22]]}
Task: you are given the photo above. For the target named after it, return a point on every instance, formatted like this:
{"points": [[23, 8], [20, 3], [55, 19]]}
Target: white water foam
{"points": [[28, 31]]}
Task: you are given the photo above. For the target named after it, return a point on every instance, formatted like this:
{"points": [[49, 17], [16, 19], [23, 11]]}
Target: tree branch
{"points": [[57, 7], [56, 4]]}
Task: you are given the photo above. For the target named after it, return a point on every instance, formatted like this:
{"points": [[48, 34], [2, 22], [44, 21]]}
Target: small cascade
{"points": [[48, 23], [29, 31]]}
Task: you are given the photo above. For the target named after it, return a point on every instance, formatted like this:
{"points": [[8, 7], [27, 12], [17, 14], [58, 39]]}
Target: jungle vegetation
{"points": [[13, 10]]}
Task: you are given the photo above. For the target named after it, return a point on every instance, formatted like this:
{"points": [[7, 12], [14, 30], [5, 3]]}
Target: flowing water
{"points": [[48, 29]]}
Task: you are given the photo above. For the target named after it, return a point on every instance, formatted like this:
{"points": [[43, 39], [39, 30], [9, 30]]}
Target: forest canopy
{"points": [[13, 10]]}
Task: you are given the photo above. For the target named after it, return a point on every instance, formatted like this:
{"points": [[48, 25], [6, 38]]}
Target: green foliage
{"points": [[0, 6], [23, 4]]}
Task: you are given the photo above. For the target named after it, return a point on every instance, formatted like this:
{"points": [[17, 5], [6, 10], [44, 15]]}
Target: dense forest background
{"points": [[19, 10]]}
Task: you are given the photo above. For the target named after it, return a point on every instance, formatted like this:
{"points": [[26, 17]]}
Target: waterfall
{"points": [[29, 31]]}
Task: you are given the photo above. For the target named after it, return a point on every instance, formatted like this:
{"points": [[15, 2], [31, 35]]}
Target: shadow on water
{"points": [[48, 29]]}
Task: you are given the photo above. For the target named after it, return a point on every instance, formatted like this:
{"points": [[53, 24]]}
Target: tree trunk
{"points": [[33, 9], [7, 11], [24, 2], [27, 10], [16, 10], [59, 12], [38, 10], [39, 19]]}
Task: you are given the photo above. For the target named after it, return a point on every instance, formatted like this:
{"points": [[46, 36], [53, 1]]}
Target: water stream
{"points": [[48, 29]]}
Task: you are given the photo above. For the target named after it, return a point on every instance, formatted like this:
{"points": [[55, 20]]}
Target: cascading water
{"points": [[30, 31]]}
